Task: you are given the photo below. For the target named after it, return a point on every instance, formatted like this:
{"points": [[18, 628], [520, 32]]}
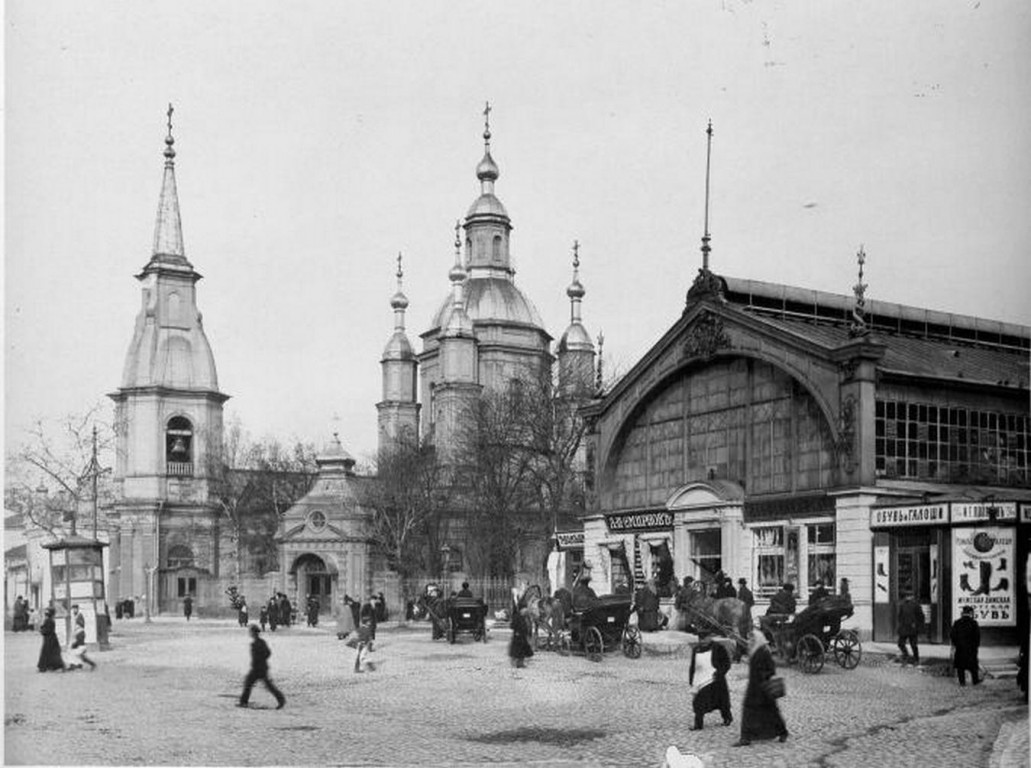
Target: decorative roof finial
{"points": [[169, 141], [705, 236], [457, 274], [859, 328], [486, 126], [399, 301], [575, 291], [598, 377]]}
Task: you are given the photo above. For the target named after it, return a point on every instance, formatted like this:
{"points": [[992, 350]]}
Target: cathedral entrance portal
{"points": [[314, 578]]}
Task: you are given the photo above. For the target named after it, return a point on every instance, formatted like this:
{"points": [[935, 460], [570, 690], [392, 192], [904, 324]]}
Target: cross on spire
{"points": [[576, 254], [486, 124], [169, 141], [400, 272]]}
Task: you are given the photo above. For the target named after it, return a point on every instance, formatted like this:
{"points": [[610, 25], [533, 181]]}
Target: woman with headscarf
{"points": [[50, 653], [760, 716]]}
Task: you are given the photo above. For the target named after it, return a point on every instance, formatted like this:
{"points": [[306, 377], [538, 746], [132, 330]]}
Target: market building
{"points": [[781, 434]]}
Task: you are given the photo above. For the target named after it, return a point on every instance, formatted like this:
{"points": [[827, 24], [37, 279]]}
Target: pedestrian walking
{"points": [[966, 639], [187, 607], [78, 646], [285, 610], [715, 695], [263, 617], [21, 615], [362, 642], [760, 715], [272, 611], [367, 617], [519, 648], [259, 670], [910, 624], [50, 653]]}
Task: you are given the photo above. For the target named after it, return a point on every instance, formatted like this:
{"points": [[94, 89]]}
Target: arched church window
{"points": [[496, 248], [180, 556], [179, 447]]}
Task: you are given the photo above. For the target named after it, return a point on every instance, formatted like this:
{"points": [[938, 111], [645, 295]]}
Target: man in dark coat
{"points": [[584, 597], [259, 670], [818, 593], [910, 624], [465, 591], [715, 695], [187, 607], [367, 617], [760, 715], [50, 653], [650, 618], [272, 612], [726, 589], [966, 639], [783, 603], [744, 594], [519, 648]]}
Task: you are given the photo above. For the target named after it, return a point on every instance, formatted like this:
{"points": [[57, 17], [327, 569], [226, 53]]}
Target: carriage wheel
{"points": [[632, 643], [810, 654], [450, 631], [847, 648], [594, 645]]}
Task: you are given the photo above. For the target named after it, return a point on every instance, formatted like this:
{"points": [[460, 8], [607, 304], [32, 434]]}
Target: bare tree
{"points": [[254, 484], [50, 478], [409, 499]]}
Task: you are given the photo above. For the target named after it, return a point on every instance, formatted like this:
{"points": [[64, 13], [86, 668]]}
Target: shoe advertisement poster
{"points": [[983, 573], [881, 575]]}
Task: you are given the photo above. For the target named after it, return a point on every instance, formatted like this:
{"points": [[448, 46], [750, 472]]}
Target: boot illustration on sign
{"points": [[986, 577], [964, 582]]}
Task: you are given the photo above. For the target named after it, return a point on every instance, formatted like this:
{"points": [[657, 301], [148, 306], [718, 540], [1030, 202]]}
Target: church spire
{"points": [[459, 323], [706, 284], [705, 235], [575, 291], [168, 229]]}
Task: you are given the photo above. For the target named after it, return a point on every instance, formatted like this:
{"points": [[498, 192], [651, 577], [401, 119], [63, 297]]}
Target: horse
{"points": [[546, 612], [715, 614]]}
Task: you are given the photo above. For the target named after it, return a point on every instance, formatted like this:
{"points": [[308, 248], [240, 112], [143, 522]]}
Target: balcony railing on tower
{"points": [[180, 469]]}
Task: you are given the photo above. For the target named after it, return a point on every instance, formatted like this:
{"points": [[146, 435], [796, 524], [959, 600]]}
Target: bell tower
{"points": [[398, 410], [168, 409]]}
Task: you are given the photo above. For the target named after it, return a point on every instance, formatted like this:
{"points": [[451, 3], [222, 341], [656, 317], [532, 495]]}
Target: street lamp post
{"points": [[146, 601]]}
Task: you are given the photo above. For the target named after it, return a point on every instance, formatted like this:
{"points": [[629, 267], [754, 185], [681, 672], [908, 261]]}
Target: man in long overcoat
{"points": [[966, 639], [910, 624]]}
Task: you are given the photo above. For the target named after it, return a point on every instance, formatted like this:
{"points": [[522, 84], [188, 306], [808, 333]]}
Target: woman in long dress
{"points": [[50, 653], [760, 716]]}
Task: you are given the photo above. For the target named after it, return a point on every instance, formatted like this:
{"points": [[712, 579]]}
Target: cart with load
{"points": [[815, 632], [604, 626], [469, 615]]}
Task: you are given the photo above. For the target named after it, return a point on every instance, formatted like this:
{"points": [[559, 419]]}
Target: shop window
{"points": [[187, 586], [769, 553], [620, 571], [821, 555], [706, 554]]}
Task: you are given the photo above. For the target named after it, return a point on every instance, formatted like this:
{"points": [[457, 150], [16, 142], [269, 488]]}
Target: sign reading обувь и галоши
{"points": [[643, 520], [943, 513]]}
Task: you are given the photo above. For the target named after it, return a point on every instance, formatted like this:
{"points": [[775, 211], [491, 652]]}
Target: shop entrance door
{"points": [[912, 571], [706, 551]]}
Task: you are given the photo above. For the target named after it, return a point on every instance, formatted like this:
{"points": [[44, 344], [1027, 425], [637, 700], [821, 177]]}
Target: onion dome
{"points": [[576, 337], [487, 171], [399, 347], [333, 457]]}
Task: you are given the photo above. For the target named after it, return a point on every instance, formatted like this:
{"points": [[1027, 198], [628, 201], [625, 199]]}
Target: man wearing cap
{"points": [[259, 670], [744, 594], [966, 639]]}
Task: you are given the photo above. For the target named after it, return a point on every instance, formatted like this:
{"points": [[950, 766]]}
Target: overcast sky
{"points": [[316, 140]]}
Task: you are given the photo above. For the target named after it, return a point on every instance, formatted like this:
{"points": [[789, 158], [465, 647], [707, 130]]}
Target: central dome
{"points": [[492, 299]]}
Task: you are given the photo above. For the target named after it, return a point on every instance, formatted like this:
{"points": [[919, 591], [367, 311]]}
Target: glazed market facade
{"points": [[779, 435]]}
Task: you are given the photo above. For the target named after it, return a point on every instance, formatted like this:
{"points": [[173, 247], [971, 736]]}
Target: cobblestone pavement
{"points": [[165, 695]]}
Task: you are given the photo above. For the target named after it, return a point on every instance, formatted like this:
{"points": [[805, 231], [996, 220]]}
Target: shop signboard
{"points": [[983, 574], [981, 511], [570, 540], [1025, 513], [920, 514], [636, 522]]}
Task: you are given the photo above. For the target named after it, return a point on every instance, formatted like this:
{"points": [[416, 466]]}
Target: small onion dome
{"points": [[487, 170], [399, 301], [333, 453], [398, 347], [575, 289], [575, 339]]}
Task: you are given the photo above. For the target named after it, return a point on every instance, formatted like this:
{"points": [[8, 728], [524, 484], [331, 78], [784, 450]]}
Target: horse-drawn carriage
{"points": [[466, 614], [815, 632], [603, 626]]}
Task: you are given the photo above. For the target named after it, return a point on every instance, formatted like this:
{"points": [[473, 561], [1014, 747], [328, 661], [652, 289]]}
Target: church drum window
{"points": [[179, 447]]}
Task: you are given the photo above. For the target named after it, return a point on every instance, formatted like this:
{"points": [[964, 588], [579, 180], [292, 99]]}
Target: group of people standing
{"points": [[277, 612], [23, 617], [50, 658]]}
